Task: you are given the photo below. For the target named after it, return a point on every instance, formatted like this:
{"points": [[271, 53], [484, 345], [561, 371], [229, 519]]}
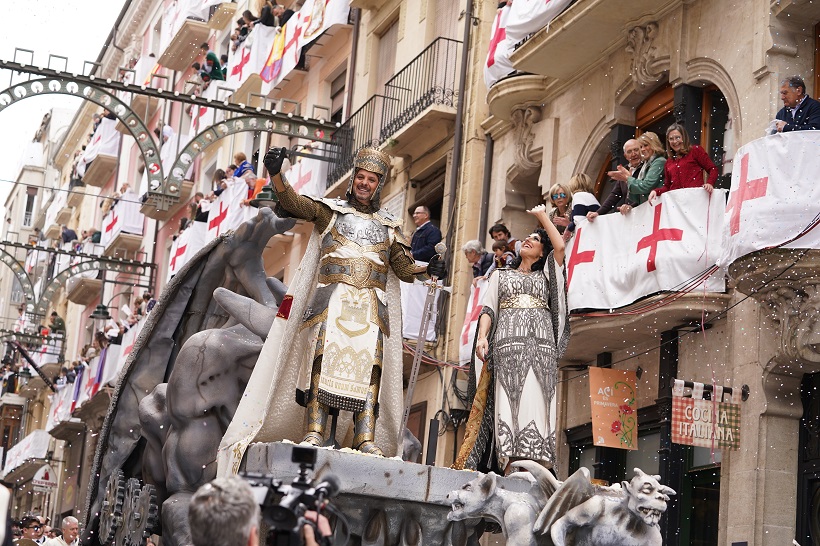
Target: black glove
{"points": [[274, 159], [436, 267]]}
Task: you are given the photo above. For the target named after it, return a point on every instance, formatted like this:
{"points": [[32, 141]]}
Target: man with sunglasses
{"points": [[32, 529]]}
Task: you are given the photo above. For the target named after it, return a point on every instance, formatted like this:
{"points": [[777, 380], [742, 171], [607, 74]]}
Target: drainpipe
{"points": [[459, 129], [489, 145], [351, 69]]}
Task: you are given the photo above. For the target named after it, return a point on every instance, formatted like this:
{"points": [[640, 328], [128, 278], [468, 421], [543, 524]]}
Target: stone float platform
{"points": [[387, 502]]}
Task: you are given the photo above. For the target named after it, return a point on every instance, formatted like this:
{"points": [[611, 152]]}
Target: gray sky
{"points": [[76, 29]]}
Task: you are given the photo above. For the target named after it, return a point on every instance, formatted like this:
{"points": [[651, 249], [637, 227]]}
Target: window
{"points": [[17, 295], [337, 97], [386, 67], [156, 38], [28, 216], [447, 18]]}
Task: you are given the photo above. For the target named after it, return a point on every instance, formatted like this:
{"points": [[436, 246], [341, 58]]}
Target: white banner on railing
{"points": [[619, 259], [308, 176], [227, 211], [186, 245], [774, 195], [512, 24], [33, 446], [468, 330], [125, 217], [413, 298], [106, 141]]}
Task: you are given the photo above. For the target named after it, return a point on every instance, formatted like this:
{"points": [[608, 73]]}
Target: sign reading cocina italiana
{"points": [[704, 423]]}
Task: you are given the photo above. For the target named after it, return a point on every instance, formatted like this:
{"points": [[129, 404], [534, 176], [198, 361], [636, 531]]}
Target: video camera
{"points": [[284, 505]]}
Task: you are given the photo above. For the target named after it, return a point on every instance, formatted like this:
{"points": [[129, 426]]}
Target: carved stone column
{"points": [[524, 117], [763, 474]]}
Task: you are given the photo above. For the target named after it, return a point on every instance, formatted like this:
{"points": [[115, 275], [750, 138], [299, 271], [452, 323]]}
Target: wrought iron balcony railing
{"points": [[429, 79]]}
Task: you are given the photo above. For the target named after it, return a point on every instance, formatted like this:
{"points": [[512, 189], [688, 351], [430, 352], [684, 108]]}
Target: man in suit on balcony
{"points": [[800, 112], [425, 237]]}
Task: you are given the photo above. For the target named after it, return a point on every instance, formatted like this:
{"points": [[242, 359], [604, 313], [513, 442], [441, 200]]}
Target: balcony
{"points": [[150, 210], [53, 232], [145, 107], [796, 10], [100, 171], [184, 46], [82, 290], [419, 100], [75, 193], [123, 227], [222, 16], [599, 25]]}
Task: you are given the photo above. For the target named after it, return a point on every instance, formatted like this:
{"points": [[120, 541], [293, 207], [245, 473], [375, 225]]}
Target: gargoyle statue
{"points": [[627, 516], [515, 512]]}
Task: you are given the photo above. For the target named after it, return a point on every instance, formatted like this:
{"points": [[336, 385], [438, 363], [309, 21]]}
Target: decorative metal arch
{"points": [[101, 97], [22, 276], [292, 127], [89, 263]]}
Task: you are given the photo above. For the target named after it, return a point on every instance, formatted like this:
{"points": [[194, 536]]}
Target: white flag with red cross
{"points": [[105, 140], [226, 211], [309, 177], [618, 259], [774, 196], [468, 330], [529, 16], [498, 62]]}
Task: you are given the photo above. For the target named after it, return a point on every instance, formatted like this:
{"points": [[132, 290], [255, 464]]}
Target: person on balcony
{"points": [[68, 235], [620, 192], [685, 164], [478, 258], [426, 236], [651, 173], [243, 168], [57, 324], [211, 68], [523, 330], [800, 112], [561, 200], [499, 232], [341, 319], [274, 15], [583, 201]]}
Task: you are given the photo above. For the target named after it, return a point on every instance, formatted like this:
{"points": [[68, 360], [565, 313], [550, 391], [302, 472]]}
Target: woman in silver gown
{"points": [[522, 332]]}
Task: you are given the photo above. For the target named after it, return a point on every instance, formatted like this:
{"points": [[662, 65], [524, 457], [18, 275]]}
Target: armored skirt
{"points": [[514, 408]]}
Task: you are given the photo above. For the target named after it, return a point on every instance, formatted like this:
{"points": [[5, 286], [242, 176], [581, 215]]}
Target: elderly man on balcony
{"points": [[800, 112], [340, 321]]}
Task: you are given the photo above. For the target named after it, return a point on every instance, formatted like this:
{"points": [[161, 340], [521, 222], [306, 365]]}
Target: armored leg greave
{"points": [[365, 420], [316, 415]]}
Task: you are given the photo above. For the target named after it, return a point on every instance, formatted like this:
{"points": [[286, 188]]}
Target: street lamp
{"points": [[265, 198], [100, 316]]}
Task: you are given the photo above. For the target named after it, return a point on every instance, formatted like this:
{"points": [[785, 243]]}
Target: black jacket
{"points": [[805, 118], [424, 242]]}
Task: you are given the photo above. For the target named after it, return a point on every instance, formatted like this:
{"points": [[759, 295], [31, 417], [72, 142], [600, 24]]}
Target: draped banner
{"points": [[512, 24], [705, 423], [105, 140], [774, 195], [619, 258], [60, 406], [33, 446], [302, 28], [125, 217], [226, 211], [468, 331], [308, 176], [186, 245], [413, 298], [498, 62]]}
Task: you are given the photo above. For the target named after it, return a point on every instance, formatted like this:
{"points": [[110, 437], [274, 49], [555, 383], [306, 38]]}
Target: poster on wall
{"points": [[613, 401], [705, 423]]}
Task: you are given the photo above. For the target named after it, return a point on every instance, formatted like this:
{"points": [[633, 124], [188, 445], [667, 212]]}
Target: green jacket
{"points": [[650, 177]]}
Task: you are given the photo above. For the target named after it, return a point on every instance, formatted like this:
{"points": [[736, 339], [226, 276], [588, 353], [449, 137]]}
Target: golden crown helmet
{"points": [[375, 161]]}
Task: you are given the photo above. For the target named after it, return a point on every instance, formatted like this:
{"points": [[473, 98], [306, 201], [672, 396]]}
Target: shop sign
{"points": [[705, 423], [45, 480]]}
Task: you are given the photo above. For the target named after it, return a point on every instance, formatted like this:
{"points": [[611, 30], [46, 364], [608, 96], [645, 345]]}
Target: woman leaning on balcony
{"points": [[685, 165], [650, 176], [561, 202]]}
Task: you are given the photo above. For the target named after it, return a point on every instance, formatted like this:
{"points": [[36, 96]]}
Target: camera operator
{"points": [[225, 511]]}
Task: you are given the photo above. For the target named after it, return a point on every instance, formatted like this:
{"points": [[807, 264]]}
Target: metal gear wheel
{"points": [[144, 517], [111, 513], [129, 505]]}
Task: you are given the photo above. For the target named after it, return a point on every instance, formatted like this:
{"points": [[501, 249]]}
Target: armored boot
{"points": [[316, 415], [365, 421]]}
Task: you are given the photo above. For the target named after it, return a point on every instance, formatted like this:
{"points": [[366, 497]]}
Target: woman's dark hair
{"points": [[545, 252]]}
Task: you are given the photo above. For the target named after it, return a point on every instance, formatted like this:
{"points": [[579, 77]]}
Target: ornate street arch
{"points": [[21, 275], [101, 97]]}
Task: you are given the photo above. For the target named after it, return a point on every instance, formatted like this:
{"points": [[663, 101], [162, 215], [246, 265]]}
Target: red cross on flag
{"points": [[226, 212], [774, 195], [619, 259], [498, 62], [467, 339]]}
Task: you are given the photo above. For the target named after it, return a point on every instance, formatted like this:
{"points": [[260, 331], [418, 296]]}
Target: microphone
{"points": [[329, 487], [441, 248]]}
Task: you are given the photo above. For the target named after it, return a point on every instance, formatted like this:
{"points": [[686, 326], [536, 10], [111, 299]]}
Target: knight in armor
{"points": [[341, 310]]}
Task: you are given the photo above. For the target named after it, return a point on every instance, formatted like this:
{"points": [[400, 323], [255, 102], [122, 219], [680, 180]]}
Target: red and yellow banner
{"points": [[704, 423]]}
